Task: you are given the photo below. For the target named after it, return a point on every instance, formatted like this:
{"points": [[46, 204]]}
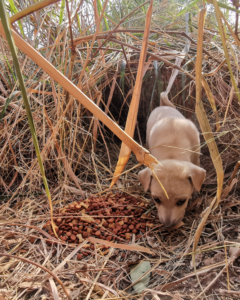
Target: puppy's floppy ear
{"points": [[144, 177], [197, 176]]}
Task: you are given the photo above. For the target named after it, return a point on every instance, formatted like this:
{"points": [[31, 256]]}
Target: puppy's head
{"points": [[179, 178]]}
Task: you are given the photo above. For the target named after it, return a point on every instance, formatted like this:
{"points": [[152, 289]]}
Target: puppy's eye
{"points": [[181, 202], [157, 200]]}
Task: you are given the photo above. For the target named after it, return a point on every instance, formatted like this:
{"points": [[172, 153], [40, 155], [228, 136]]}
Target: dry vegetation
{"points": [[98, 46]]}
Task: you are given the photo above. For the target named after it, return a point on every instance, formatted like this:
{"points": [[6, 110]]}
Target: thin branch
{"points": [[41, 267]]}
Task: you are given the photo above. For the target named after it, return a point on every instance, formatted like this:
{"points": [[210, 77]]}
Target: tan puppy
{"points": [[174, 141]]}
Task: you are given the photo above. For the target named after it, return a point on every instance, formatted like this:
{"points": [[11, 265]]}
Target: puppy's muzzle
{"points": [[168, 223]]}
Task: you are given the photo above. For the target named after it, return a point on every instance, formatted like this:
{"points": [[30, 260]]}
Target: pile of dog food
{"points": [[112, 217]]}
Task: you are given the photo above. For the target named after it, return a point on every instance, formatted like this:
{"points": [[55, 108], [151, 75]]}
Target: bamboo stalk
{"points": [[125, 152]]}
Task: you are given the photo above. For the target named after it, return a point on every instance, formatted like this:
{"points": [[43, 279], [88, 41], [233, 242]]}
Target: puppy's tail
{"points": [[164, 101]]}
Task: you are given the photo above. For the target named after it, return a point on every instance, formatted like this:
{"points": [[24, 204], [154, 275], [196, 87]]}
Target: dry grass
{"points": [[84, 153]]}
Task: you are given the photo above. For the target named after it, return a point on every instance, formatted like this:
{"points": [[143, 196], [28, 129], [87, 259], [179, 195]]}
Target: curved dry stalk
{"points": [[207, 133], [41, 267], [224, 39], [27, 11]]}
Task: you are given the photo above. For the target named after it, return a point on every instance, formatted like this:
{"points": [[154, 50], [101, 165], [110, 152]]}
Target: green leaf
{"points": [[187, 8], [99, 5], [139, 271], [79, 23], [9, 66], [224, 6], [155, 66], [8, 100], [123, 67], [12, 6], [166, 41], [15, 10], [61, 12], [111, 18]]}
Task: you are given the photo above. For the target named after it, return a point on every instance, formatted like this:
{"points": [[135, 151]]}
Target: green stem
{"points": [[6, 26]]}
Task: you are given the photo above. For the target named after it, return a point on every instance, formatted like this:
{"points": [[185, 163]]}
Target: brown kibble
{"points": [[85, 254], [98, 221], [127, 236], [131, 227], [85, 234], [80, 238], [92, 247], [105, 224], [32, 239], [98, 233], [59, 220], [79, 256], [73, 237], [64, 238], [125, 226], [111, 225], [69, 233], [111, 220], [134, 231], [118, 228], [105, 252], [109, 238]]}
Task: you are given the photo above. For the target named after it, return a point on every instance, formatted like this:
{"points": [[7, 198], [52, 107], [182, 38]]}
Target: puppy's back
{"points": [[160, 113], [167, 126]]}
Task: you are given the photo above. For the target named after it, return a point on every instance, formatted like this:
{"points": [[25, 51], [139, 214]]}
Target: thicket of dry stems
{"points": [[85, 154]]}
